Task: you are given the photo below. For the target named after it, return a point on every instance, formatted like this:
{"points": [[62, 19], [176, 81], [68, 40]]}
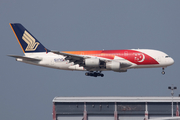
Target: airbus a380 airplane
{"points": [[92, 61]]}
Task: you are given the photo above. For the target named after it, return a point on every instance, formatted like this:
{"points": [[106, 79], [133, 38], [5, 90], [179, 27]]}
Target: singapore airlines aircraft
{"points": [[92, 61]]}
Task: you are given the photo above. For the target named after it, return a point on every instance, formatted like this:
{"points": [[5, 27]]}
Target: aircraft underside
{"points": [[92, 71]]}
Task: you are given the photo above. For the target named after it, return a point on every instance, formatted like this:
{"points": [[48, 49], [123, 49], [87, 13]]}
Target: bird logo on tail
{"points": [[32, 44]]}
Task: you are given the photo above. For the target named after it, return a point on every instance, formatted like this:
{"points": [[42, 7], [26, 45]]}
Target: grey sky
{"points": [[26, 91]]}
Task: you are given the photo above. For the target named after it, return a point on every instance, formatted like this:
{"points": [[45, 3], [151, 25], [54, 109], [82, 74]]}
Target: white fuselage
{"points": [[56, 61]]}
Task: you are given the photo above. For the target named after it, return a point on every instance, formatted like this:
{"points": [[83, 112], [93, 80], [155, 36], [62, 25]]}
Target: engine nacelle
{"points": [[92, 62], [115, 66]]}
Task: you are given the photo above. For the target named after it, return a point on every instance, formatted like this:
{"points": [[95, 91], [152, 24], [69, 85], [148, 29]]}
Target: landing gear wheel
{"points": [[163, 72], [87, 74], [102, 75], [94, 74]]}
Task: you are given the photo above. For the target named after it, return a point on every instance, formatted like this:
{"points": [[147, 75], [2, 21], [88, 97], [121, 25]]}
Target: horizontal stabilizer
{"points": [[25, 58]]}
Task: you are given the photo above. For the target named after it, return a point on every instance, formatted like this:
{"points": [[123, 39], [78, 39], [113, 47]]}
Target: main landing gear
{"points": [[94, 74], [163, 72]]}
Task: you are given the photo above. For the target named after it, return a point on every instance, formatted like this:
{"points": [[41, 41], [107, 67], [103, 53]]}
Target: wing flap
{"points": [[25, 58]]}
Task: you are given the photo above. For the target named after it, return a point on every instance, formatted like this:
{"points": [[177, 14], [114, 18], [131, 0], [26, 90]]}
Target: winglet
{"points": [[26, 40]]}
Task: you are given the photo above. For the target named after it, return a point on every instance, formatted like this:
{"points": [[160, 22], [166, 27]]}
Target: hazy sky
{"points": [[27, 91]]}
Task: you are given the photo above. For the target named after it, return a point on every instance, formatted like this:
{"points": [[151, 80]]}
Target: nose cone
{"points": [[170, 61]]}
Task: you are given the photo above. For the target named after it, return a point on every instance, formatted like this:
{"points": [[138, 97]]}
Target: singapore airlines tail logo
{"points": [[32, 44]]}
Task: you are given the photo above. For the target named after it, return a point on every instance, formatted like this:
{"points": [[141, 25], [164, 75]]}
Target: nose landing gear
{"points": [[163, 72], [94, 74]]}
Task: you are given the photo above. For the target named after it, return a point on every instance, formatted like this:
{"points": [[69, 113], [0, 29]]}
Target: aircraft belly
{"points": [[147, 66]]}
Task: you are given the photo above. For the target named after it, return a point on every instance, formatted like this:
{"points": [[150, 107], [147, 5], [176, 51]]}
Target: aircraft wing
{"points": [[77, 59], [25, 58]]}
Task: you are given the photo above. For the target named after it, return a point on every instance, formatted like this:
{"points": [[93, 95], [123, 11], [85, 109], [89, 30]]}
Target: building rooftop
{"points": [[116, 99]]}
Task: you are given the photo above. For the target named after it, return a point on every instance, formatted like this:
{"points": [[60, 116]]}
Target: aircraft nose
{"points": [[171, 61]]}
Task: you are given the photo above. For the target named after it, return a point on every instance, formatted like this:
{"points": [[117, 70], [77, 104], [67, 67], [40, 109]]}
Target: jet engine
{"points": [[115, 66], [92, 62]]}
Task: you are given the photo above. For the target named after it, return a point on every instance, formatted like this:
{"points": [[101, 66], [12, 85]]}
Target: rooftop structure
{"points": [[113, 108]]}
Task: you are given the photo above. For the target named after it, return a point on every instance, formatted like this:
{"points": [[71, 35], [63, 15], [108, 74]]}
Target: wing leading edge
{"points": [[77, 59]]}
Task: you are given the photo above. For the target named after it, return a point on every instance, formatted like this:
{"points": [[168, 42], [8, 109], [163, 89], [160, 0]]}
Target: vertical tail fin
{"points": [[26, 40]]}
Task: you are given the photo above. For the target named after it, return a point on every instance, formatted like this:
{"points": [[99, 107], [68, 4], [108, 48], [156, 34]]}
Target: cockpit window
{"points": [[167, 56]]}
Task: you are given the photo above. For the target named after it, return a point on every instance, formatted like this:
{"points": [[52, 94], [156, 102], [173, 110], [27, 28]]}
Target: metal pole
{"points": [[172, 93], [115, 112], [146, 112], [85, 112]]}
